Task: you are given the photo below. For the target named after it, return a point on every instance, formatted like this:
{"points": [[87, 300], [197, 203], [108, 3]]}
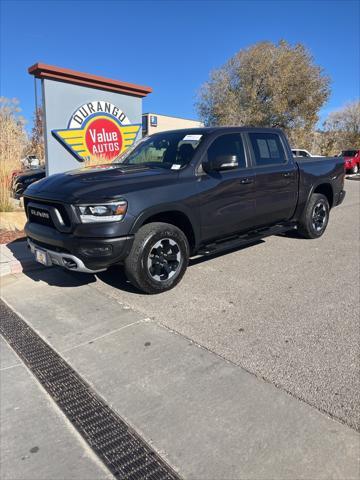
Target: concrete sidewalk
{"points": [[15, 257], [36, 440], [207, 417]]}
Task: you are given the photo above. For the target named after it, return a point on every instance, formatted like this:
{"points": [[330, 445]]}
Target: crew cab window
{"points": [[268, 149], [229, 144]]}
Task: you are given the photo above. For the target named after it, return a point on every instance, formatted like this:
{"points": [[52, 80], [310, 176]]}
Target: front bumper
{"points": [[80, 254], [66, 260]]}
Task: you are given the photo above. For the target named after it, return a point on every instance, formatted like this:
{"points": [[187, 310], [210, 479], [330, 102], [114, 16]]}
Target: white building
{"points": [[153, 123]]}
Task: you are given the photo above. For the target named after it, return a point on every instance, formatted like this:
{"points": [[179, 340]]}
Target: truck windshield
{"points": [[171, 150], [348, 153]]}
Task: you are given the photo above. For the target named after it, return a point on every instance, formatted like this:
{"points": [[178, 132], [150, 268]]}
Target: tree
{"points": [[36, 144], [266, 85], [343, 127], [326, 144]]}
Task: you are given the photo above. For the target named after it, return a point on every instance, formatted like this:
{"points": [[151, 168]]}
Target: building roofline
{"points": [[171, 116], [51, 72]]}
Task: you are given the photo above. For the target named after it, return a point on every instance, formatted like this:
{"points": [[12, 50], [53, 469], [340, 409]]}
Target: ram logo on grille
{"points": [[39, 213]]}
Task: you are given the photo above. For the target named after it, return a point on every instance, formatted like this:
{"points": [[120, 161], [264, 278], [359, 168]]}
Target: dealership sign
{"points": [[97, 129]]}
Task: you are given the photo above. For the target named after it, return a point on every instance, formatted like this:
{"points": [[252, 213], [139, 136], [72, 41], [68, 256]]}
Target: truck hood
{"points": [[103, 182]]}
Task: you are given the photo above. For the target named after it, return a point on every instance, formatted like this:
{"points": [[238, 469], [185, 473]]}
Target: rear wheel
{"points": [[158, 258], [315, 217]]}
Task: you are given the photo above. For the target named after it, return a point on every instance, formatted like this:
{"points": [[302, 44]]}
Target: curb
{"points": [[13, 266]]}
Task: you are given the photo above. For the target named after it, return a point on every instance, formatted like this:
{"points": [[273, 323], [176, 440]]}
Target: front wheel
{"points": [[158, 258], [315, 217]]}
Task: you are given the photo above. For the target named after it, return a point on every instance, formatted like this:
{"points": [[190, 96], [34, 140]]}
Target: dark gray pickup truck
{"points": [[177, 194]]}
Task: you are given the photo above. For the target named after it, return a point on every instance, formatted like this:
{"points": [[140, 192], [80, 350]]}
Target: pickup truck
{"points": [[178, 194], [22, 179], [300, 152]]}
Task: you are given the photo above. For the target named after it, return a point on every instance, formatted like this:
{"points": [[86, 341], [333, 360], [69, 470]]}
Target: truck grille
{"points": [[41, 216], [51, 214]]}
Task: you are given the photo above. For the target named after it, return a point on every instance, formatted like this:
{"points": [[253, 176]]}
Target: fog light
{"points": [[102, 251]]}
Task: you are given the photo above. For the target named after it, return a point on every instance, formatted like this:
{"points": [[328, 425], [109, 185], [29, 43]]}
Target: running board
{"points": [[242, 240]]}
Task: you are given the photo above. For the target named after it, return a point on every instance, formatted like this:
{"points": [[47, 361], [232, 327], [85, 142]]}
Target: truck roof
{"points": [[203, 130]]}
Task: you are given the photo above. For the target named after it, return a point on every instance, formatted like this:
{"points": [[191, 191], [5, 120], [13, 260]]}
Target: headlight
{"points": [[106, 212]]}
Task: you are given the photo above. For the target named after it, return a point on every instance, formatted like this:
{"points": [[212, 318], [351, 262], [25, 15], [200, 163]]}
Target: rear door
{"points": [[276, 180], [226, 200]]}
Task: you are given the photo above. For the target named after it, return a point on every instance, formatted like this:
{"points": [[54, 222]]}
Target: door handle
{"points": [[287, 174], [245, 181]]}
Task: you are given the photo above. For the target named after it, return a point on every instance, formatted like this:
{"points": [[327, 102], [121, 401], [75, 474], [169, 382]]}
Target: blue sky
{"points": [[171, 45]]}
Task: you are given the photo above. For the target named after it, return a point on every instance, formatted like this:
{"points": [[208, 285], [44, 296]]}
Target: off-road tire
{"points": [[136, 264], [307, 228]]}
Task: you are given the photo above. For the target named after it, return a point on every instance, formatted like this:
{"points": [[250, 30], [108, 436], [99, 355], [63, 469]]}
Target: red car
{"points": [[351, 160]]}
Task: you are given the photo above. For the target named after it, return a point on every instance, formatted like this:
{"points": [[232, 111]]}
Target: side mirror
{"points": [[222, 162]]}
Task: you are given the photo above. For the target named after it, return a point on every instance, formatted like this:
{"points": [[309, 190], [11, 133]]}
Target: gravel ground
{"points": [[285, 309]]}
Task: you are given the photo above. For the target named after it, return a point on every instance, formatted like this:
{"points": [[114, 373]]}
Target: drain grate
{"points": [[122, 450]]}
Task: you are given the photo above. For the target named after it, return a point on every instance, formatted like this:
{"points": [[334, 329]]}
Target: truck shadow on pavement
{"points": [[207, 258], [115, 276], [59, 277], [25, 263]]}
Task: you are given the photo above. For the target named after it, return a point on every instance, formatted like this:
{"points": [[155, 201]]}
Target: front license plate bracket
{"points": [[42, 257]]}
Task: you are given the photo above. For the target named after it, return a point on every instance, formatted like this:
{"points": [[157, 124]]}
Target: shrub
{"points": [[12, 142]]}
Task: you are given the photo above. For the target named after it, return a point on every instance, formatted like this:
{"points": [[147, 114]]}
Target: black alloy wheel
{"points": [[319, 216], [164, 259]]}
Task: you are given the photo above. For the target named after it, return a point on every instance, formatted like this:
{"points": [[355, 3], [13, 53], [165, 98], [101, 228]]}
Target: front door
{"points": [[227, 202]]}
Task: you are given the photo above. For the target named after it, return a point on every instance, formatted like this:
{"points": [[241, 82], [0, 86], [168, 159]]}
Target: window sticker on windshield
{"points": [[175, 166], [191, 138]]}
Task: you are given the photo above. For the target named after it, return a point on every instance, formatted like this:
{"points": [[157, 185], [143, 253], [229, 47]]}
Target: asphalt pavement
{"points": [[286, 310]]}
